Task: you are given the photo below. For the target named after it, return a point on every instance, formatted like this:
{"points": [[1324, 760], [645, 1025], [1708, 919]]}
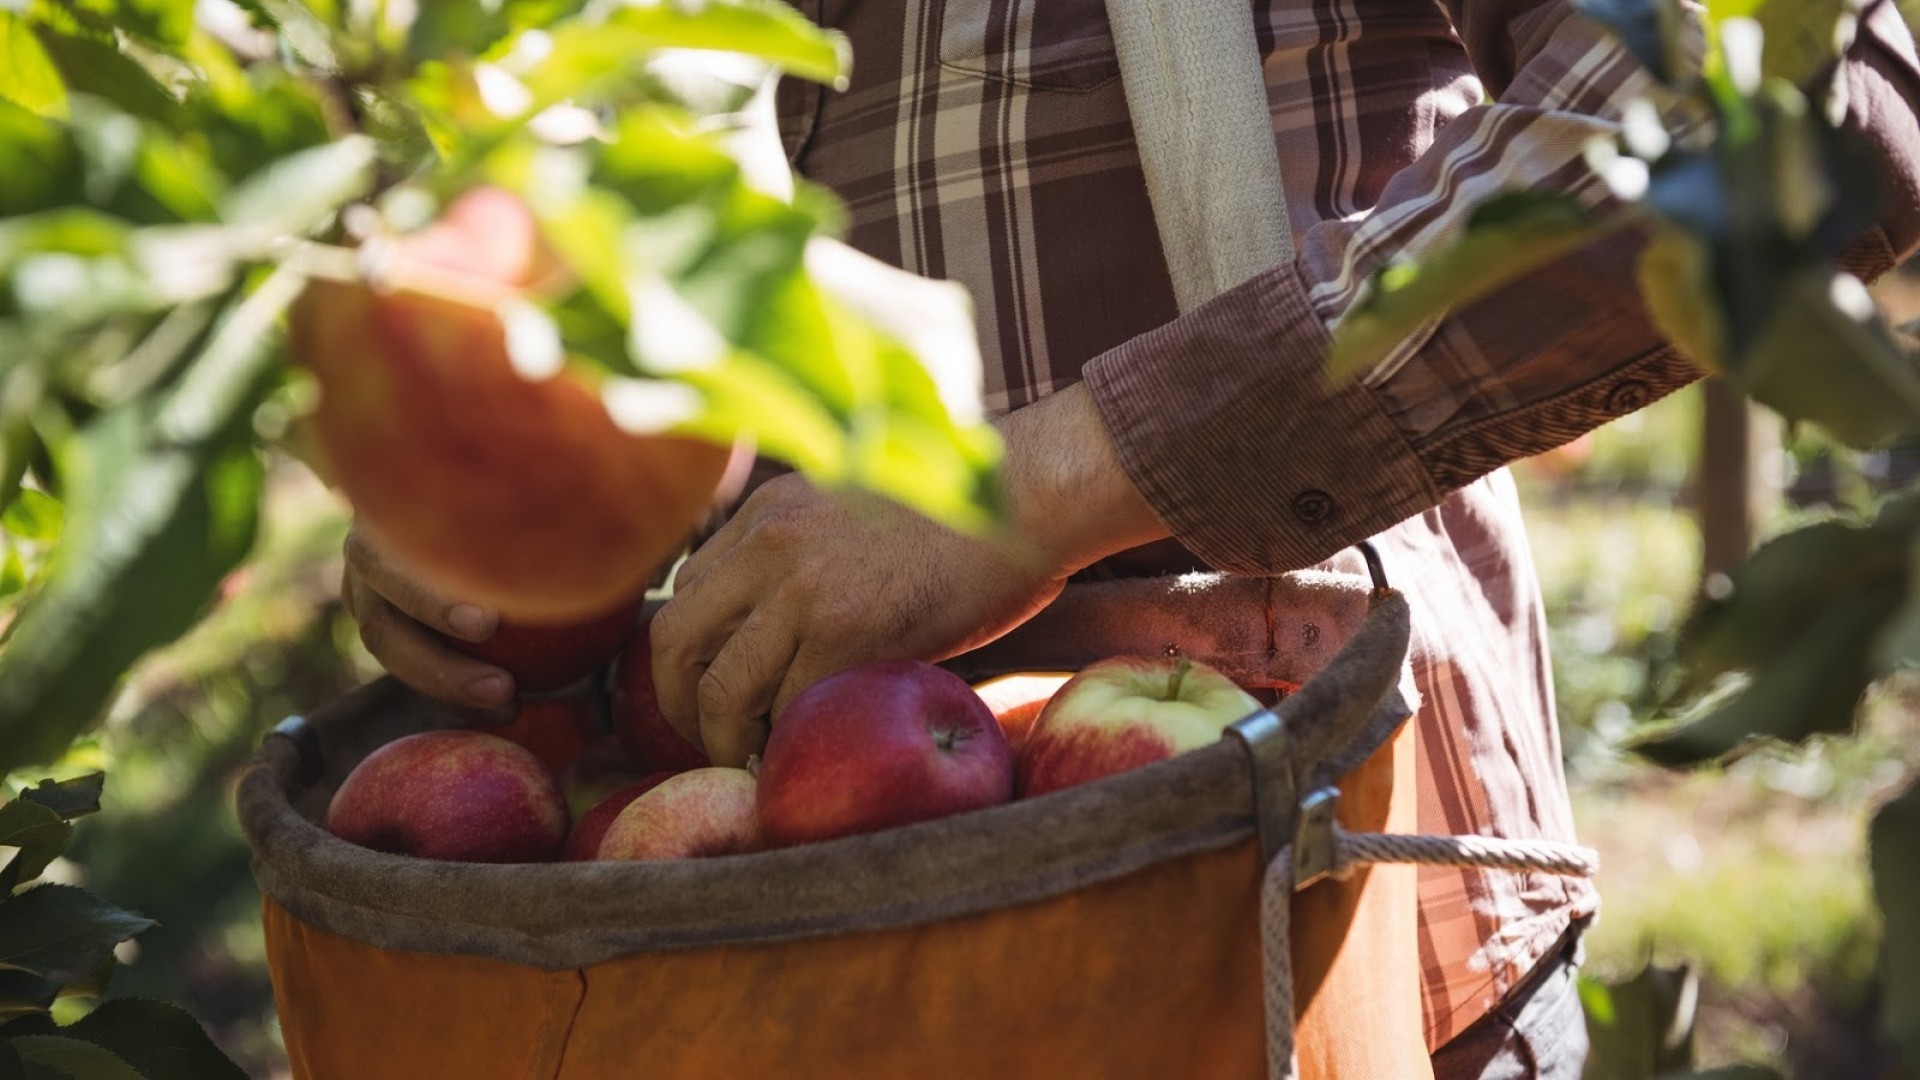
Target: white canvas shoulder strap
{"points": [[1191, 69]]}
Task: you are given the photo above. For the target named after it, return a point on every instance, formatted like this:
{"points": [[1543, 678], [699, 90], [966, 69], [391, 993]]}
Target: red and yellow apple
{"points": [[514, 491], [879, 745], [583, 843], [544, 657], [460, 795], [637, 721], [688, 815], [1125, 712]]}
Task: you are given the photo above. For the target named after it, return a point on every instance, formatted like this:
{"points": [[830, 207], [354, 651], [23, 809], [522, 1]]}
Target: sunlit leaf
{"points": [[1674, 275], [28, 77], [1894, 844], [298, 193], [160, 1040], [96, 67], [35, 516], [1508, 236], [163, 504], [1801, 35]]}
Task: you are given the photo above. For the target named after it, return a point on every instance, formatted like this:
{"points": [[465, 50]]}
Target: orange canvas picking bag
{"points": [[1111, 930]]}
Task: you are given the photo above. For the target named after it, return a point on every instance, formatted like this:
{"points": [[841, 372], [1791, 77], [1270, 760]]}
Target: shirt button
{"points": [[1312, 507], [1629, 396]]}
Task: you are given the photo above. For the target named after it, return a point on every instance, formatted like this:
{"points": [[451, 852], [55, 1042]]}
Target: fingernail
{"points": [[470, 622], [490, 690]]}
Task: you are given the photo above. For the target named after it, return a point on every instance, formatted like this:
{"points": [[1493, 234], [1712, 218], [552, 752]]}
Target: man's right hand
{"points": [[398, 613]]}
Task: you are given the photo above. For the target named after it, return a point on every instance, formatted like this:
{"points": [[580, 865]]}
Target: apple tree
{"points": [[174, 172]]}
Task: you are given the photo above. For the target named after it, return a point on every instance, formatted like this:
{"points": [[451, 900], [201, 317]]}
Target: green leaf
{"points": [[1650, 30], [11, 1067], [586, 53], [298, 193], [34, 515], [72, 798], [1801, 36], [28, 77], [163, 503], [1805, 617], [1894, 846], [60, 932], [39, 833], [160, 1040], [73, 1057], [1839, 369], [96, 67], [1508, 236], [1729, 1072], [1647, 1027]]}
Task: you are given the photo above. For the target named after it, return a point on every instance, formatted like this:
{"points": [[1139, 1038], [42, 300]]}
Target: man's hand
{"points": [[395, 611], [801, 584]]}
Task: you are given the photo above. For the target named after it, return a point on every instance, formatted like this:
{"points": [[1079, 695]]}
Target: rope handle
{"points": [[1349, 850]]}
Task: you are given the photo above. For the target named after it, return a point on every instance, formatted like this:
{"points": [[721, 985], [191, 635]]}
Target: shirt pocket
{"points": [[1039, 44]]}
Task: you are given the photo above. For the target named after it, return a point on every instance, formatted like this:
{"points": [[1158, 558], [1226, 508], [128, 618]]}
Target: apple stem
{"points": [[1179, 674]]}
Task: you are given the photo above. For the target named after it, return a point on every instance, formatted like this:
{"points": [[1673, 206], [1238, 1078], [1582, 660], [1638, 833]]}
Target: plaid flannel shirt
{"points": [[989, 142]]}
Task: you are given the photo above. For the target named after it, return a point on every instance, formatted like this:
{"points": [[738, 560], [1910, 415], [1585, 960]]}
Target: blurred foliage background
{"points": [[1754, 874]]}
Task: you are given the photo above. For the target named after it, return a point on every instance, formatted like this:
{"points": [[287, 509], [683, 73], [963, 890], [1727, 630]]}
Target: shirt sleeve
{"points": [[1220, 417]]}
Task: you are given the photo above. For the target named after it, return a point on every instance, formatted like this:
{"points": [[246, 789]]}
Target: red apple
{"points": [[688, 815], [654, 743], [543, 658], [460, 795], [558, 731], [879, 745], [1125, 712], [583, 843], [1018, 699]]}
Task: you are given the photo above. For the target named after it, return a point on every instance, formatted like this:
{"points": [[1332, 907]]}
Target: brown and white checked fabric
{"points": [[988, 142]]}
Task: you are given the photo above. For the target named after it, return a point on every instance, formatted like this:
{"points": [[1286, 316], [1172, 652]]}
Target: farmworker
{"points": [[990, 143]]}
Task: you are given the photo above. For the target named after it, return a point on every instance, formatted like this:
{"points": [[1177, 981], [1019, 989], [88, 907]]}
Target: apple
{"points": [[544, 657], [1018, 699], [878, 745], [654, 743], [688, 815], [583, 843], [1125, 712], [460, 795], [558, 731], [481, 467]]}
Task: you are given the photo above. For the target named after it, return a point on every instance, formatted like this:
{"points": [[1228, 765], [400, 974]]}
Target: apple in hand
{"points": [[878, 745], [544, 657], [653, 742], [688, 815], [460, 795], [1125, 712], [583, 842]]}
